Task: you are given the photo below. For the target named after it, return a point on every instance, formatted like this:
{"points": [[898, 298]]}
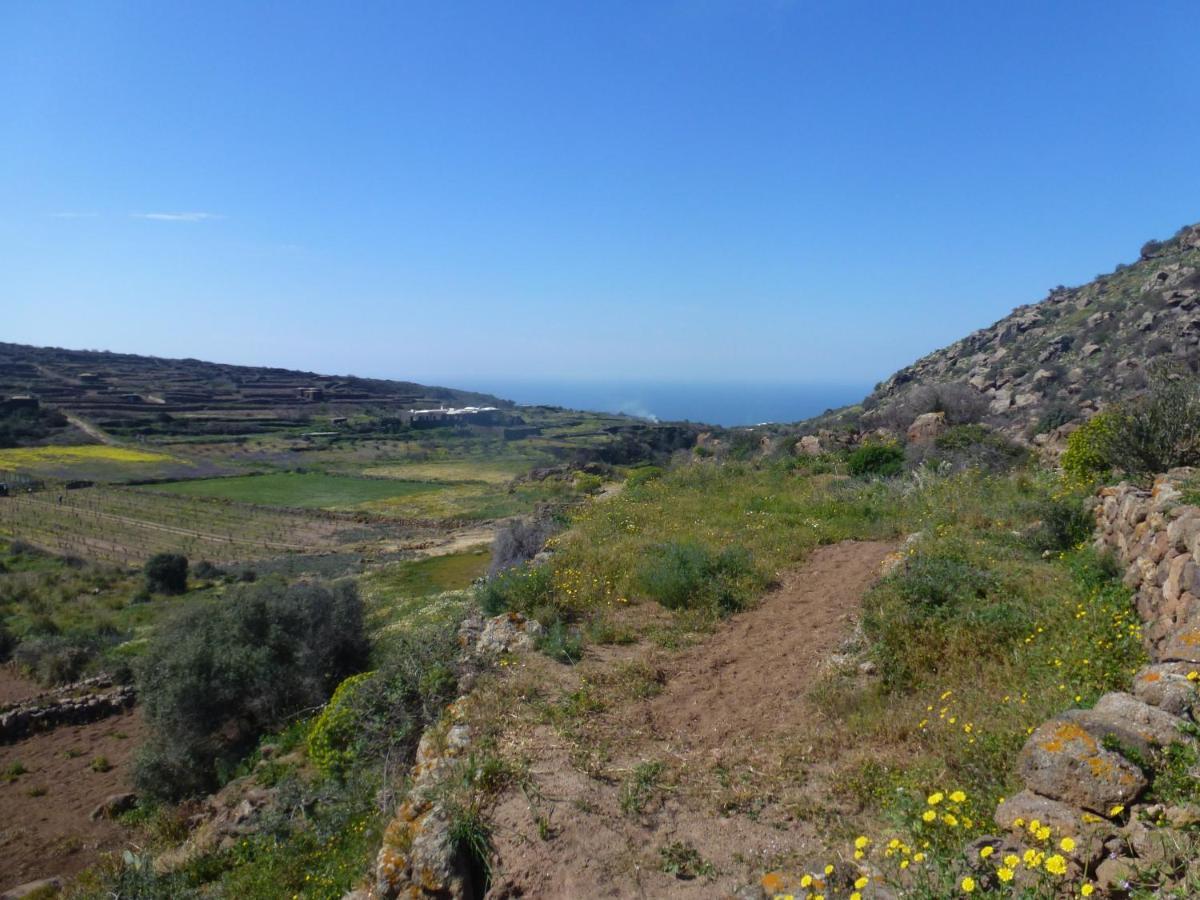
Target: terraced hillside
{"points": [[128, 393]]}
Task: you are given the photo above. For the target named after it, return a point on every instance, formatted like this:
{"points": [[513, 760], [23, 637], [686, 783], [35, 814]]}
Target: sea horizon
{"points": [[728, 404]]}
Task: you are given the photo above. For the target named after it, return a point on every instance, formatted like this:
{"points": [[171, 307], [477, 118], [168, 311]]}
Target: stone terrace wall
{"points": [[1085, 770]]}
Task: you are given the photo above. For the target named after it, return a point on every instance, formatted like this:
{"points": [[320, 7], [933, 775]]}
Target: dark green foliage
{"points": [[939, 583], [222, 672], [1055, 416], [684, 575], [522, 588], [884, 460], [53, 659], [166, 573], [414, 682], [22, 426], [8, 643], [1160, 430], [1063, 523]]}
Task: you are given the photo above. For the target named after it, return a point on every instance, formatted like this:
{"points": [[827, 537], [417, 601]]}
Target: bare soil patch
{"points": [[44, 824], [697, 754], [15, 687]]}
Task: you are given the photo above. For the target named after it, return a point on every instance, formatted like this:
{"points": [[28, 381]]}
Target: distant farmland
{"points": [[308, 490], [123, 525]]}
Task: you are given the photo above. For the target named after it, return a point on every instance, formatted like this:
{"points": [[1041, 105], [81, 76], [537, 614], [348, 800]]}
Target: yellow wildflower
{"points": [[1067, 844], [862, 882], [1005, 874], [968, 884], [861, 841], [1056, 865], [958, 797], [985, 852], [929, 815], [1087, 890], [1012, 860], [935, 798]]}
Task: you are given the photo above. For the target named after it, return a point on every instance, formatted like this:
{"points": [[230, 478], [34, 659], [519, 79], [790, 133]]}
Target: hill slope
{"points": [[121, 388], [1075, 351]]}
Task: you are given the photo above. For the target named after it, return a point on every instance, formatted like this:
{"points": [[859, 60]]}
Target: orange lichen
{"points": [[1152, 676], [1064, 734], [772, 882]]}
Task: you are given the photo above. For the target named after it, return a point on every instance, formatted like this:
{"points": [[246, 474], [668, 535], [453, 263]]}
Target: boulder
{"points": [[927, 427], [1027, 806], [113, 805], [1064, 761], [1167, 686], [809, 445]]}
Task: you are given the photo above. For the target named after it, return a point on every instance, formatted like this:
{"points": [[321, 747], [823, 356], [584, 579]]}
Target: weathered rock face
{"points": [[419, 857], [1074, 351], [809, 445], [927, 427], [1064, 761]]}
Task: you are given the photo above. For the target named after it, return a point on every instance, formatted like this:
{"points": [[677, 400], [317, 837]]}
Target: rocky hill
{"points": [[122, 390], [1061, 359]]}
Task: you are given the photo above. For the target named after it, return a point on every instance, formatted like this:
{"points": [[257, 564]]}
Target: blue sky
{"points": [[712, 190]]}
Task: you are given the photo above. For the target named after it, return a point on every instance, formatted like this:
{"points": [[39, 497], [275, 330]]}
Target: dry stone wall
{"points": [[1085, 770], [75, 704]]}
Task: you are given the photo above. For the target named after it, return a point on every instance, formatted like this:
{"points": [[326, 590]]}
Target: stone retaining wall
{"points": [[1085, 770], [74, 704]]}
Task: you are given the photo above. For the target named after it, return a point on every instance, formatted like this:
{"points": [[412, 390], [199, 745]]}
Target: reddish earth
{"points": [[44, 825], [730, 728]]}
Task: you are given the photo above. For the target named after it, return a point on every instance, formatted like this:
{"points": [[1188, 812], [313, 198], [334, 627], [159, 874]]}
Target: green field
{"points": [[309, 490]]}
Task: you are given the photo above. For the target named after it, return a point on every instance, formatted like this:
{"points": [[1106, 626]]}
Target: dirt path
{"points": [[724, 736], [89, 429]]}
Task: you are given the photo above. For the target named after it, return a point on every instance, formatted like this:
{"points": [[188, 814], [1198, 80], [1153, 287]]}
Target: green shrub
{"points": [[331, 739], [561, 642], [685, 575], [383, 714], [220, 673], [643, 475], [166, 573], [1160, 430], [523, 588], [52, 658], [884, 460], [1088, 452], [1063, 523]]}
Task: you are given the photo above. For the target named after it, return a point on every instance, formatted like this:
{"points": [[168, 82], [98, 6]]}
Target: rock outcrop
{"points": [[1075, 351]]}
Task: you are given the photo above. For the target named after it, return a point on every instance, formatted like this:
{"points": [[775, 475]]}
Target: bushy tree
{"points": [[166, 573], [876, 459], [221, 673], [520, 540]]}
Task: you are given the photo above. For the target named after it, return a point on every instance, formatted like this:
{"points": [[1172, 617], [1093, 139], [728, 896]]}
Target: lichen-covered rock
{"points": [[509, 632], [1063, 761], [1181, 645], [1167, 686], [927, 427]]}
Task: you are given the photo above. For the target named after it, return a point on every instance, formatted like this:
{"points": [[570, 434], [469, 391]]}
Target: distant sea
{"points": [[714, 404]]}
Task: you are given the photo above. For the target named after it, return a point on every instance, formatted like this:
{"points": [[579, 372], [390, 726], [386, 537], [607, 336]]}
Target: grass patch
{"points": [[309, 490]]}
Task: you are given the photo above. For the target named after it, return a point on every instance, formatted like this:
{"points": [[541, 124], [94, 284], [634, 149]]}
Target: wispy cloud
{"points": [[177, 216], [73, 215]]}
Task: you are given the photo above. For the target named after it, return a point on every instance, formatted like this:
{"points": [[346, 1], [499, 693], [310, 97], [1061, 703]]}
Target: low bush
{"points": [[968, 447], [166, 573], [522, 588], [1088, 449], [643, 475], [1063, 523], [53, 659], [222, 672], [882, 460], [685, 575], [520, 540]]}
